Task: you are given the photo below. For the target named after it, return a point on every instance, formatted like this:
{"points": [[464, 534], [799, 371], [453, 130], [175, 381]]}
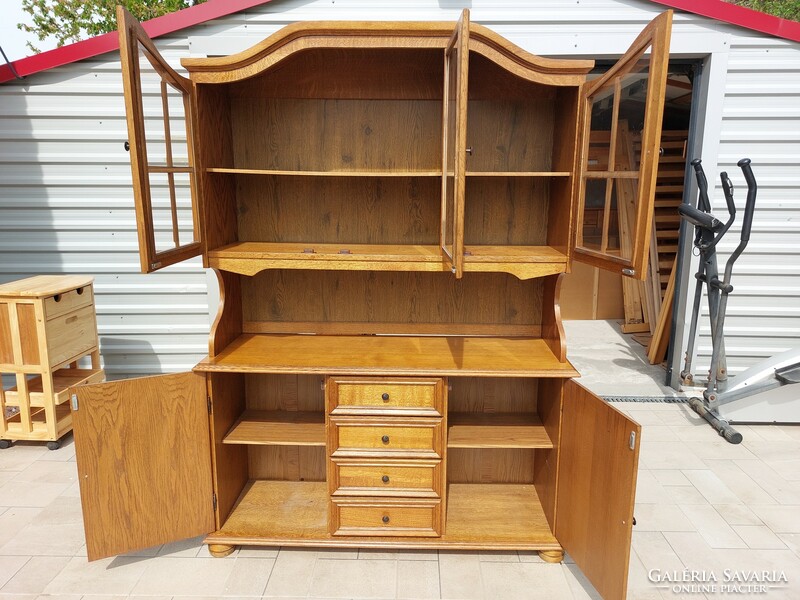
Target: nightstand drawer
{"points": [[417, 396], [386, 518], [377, 477], [60, 304], [71, 335], [407, 437]]}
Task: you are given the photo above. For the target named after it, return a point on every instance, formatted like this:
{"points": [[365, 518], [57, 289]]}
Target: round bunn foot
{"points": [[220, 550], [5, 444], [551, 556], [54, 445]]}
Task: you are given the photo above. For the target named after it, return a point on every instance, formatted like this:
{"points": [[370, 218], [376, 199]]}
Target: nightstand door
{"points": [[598, 457], [158, 108], [617, 188], [144, 462]]}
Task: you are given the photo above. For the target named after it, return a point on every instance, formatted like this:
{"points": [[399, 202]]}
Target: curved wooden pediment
{"points": [[299, 37]]}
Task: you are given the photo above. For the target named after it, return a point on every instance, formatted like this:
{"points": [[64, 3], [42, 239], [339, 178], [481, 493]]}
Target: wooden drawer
{"points": [[411, 396], [386, 518], [60, 304], [71, 335], [408, 437], [379, 477]]}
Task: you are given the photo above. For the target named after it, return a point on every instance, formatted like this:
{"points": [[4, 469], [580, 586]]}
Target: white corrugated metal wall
{"points": [[66, 203]]}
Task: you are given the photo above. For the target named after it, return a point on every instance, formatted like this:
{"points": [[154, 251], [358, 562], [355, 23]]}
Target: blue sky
{"points": [[12, 39]]}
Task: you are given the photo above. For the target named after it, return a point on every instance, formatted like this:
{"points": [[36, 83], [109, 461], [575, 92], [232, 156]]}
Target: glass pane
{"points": [[171, 228], [451, 93], [164, 117]]}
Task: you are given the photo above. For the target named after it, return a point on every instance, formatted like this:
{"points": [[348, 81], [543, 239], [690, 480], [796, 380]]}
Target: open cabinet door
{"points": [[454, 153], [144, 462], [617, 190], [158, 110], [599, 455]]}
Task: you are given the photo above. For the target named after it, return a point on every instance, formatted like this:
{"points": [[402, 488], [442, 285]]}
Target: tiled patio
{"points": [[702, 505]]}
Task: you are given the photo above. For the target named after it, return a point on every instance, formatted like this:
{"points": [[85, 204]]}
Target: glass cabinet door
{"points": [[158, 108], [454, 157], [622, 112]]}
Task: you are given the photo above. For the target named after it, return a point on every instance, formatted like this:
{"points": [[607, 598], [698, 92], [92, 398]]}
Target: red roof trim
{"points": [[214, 9], [108, 42], [738, 15]]}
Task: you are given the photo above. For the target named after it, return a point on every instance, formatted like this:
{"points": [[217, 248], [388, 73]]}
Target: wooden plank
{"points": [[123, 430], [658, 345], [278, 428], [41, 286], [389, 355], [63, 379], [504, 430], [596, 486]]}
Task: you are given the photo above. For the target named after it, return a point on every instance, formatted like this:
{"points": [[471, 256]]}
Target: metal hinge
{"points": [[74, 400], [208, 403], [632, 440], [214, 500]]}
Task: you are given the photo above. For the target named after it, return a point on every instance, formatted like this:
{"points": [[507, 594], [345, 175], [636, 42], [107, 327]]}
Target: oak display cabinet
{"points": [[389, 208]]}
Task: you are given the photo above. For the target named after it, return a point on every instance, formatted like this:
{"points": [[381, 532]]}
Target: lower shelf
{"points": [[63, 380], [479, 516], [40, 430]]}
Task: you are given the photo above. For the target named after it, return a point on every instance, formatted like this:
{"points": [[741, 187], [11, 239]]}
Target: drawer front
{"points": [[71, 336], [365, 517], [60, 304], [423, 396], [359, 477], [416, 438]]}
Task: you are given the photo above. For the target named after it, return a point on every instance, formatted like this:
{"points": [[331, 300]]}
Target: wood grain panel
{"points": [[285, 392], [287, 463], [546, 461], [553, 332], [419, 396], [386, 517], [143, 457], [278, 428], [340, 210], [491, 395], [6, 348], [382, 477], [506, 211], [29, 334], [502, 430], [68, 301], [391, 297], [70, 336], [403, 437], [507, 465], [400, 73], [228, 322], [330, 134], [596, 488]]}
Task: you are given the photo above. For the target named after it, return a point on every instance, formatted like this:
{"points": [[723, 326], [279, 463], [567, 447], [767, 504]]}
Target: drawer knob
{"points": [[385, 518], [385, 397], [385, 439], [385, 479]]}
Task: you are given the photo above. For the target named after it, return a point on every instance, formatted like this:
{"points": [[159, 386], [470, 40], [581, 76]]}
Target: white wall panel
{"points": [[66, 203]]}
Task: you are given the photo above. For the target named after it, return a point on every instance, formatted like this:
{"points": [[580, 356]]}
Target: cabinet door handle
{"points": [[385, 439]]}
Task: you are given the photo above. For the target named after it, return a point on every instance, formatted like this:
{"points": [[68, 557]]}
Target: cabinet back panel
{"points": [[391, 297], [351, 73], [496, 465], [506, 210], [285, 392], [287, 463], [330, 134], [348, 210], [492, 394], [510, 136]]}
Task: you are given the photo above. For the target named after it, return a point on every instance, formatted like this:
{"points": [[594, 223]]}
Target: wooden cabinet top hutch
{"points": [[389, 208]]}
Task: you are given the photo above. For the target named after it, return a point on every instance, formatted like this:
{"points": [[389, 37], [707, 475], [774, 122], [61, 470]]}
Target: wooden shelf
{"points": [[479, 516], [388, 355], [249, 258], [63, 379], [332, 173], [503, 430], [278, 428], [518, 173]]}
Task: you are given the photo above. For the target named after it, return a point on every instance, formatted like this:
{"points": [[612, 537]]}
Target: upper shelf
{"points": [[382, 173], [389, 355], [250, 258]]}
